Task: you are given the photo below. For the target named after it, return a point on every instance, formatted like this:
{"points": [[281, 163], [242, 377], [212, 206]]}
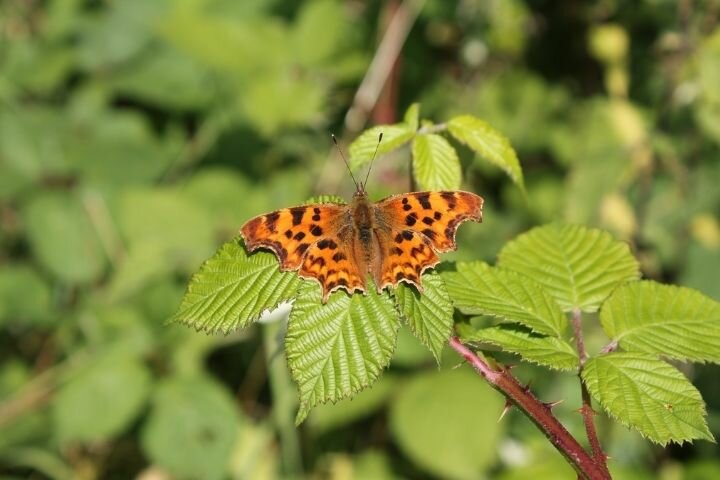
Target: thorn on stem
{"points": [[505, 410], [586, 410], [551, 405]]}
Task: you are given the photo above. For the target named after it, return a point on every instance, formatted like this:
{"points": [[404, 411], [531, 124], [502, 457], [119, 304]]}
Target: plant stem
{"points": [[538, 412], [586, 410], [284, 399]]}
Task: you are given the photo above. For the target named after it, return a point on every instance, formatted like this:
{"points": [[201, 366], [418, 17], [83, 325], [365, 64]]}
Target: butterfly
{"points": [[394, 240]]}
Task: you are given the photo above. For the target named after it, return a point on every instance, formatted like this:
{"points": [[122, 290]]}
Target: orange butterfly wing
{"points": [[307, 238], [422, 224]]}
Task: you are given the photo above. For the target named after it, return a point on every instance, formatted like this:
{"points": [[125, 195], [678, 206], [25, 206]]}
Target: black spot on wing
{"points": [[428, 221], [424, 199], [429, 233], [302, 248], [327, 243], [271, 220], [316, 230], [411, 219], [339, 256], [407, 234], [450, 199], [299, 236], [297, 214], [288, 233]]}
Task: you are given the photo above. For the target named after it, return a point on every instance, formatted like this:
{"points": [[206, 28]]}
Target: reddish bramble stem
{"points": [[586, 410], [537, 411]]}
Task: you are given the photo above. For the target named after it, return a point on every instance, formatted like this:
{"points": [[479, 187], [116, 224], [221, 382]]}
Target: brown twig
{"points": [[586, 410], [382, 64], [539, 412], [371, 86]]}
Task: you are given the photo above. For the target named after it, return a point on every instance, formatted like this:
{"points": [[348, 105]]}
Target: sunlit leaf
{"points": [[477, 288], [232, 289], [552, 352], [490, 144], [412, 116], [429, 314], [334, 350], [435, 163], [578, 266], [362, 149], [665, 320], [648, 395]]}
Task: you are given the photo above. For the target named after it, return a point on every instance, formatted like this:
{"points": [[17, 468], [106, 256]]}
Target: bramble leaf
{"points": [[412, 117], [429, 314], [477, 288], [489, 143], [550, 352], [362, 149], [336, 349], [675, 322], [435, 163], [577, 266], [648, 395], [232, 289]]}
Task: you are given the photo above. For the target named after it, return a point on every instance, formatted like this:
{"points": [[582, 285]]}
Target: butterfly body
{"points": [[393, 240]]}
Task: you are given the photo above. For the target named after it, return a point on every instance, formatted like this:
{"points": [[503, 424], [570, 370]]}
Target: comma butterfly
{"points": [[394, 240]]}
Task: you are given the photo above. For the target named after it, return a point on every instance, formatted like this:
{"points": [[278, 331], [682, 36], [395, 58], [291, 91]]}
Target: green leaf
{"points": [[547, 351], [362, 149], [488, 143], [166, 230], [412, 117], [446, 422], [282, 100], [436, 165], [192, 428], [168, 223], [334, 350], [648, 395], [318, 32], [675, 322], [232, 289], [63, 238], [578, 266], [477, 288], [166, 78], [24, 296], [429, 314], [102, 400]]}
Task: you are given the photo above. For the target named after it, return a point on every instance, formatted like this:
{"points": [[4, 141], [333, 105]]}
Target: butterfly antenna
{"points": [[372, 160], [357, 185]]}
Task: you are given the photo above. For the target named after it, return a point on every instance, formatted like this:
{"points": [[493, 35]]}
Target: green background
{"points": [[137, 136]]}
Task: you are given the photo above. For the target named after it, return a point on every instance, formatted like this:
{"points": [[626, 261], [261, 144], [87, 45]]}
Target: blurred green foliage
{"points": [[136, 137]]}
